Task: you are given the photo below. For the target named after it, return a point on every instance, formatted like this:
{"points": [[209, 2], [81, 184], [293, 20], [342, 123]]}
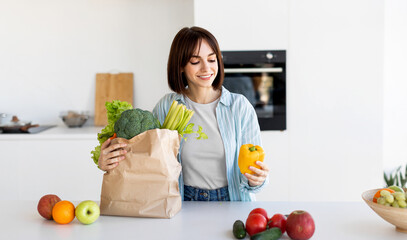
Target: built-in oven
{"points": [[261, 77]]}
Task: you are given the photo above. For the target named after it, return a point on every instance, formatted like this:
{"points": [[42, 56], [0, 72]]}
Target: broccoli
{"points": [[135, 121]]}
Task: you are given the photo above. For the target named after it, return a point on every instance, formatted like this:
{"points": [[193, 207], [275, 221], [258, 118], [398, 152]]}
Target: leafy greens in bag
{"points": [[127, 122], [114, 110]]}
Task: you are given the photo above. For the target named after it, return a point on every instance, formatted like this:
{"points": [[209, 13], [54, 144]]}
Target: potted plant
{"points": [[396, 177]]}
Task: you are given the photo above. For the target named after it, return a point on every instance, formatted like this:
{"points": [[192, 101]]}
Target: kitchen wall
{"points": [[239, 25], [395, 83], [335, 96], [346, 109], [52, 50]]}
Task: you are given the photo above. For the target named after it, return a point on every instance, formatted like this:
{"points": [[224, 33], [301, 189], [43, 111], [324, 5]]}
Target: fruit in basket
{"points": [[394, 199], [45, 205], [87, 212], [63, 212], [394, 216], [378, 193], [300, 225], [396, 188]]}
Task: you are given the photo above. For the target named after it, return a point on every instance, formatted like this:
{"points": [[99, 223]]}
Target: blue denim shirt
{"points": [[238, 125]]}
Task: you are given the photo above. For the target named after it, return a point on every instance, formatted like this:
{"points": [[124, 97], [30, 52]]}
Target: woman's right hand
{"points": [[111, 155]]}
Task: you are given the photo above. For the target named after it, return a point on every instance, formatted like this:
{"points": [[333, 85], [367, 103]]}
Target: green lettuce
{"points": [[114, 110]]}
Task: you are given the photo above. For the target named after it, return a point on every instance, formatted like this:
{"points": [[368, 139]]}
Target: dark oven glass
{"points": [[261, 77]]}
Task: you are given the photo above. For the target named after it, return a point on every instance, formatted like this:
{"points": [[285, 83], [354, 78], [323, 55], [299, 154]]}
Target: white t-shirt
{"points": [[203, 161]]}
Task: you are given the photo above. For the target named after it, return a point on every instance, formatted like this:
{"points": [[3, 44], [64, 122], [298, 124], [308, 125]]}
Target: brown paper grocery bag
{"points": [[145, 183]]}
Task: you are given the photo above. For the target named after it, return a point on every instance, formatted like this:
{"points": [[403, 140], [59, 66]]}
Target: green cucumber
{"points": [[238, 230], [269, 234]]}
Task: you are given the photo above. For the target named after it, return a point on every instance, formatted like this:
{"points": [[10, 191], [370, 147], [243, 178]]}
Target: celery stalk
{"points": [[187, 119], [174, 118], [184, 122], [178, 117], [179, 128], [181, 115], [170, 112]]}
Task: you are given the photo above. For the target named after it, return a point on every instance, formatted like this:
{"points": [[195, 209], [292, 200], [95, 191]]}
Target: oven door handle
{"points": [[254, 70]]}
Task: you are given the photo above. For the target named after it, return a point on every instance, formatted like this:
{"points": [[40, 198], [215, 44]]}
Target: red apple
{"points": [[300, 225], [46, 204]]}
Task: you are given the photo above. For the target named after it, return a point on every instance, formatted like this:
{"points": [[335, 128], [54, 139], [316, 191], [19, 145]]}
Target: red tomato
{"points": [[255, 223], [278, 220], [261, 211]]}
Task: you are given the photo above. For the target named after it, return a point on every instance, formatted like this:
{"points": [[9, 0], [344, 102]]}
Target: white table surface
{"points": [[196, 220]]}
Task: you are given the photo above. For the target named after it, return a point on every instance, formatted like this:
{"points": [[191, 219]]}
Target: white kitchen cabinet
{"points": [[57, 161]]}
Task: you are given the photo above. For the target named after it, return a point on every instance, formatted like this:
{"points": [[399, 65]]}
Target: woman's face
{"points": [[202, 68]]}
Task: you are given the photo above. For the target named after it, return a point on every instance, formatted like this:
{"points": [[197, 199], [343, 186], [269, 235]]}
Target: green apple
{"points": [[396, 188], [87, 212]]}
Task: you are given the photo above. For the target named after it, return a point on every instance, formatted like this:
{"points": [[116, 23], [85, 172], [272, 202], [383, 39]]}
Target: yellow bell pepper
{"points": [[248, 156]]}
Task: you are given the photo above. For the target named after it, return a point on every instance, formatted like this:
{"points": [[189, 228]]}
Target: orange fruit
{"points": [[377, 195], [63, 212]]}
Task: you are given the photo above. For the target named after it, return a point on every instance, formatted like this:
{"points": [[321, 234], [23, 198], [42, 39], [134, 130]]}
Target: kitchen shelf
{"points": [[59, 132]]}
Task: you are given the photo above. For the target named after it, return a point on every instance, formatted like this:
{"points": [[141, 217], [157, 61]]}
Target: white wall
{"points": [[334, 92], [52, 50], [395, 85], [243, 25], [335, 98]]}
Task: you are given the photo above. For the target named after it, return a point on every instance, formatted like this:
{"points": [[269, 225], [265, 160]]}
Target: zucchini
{"points": [[269, 234], [238, 230]]}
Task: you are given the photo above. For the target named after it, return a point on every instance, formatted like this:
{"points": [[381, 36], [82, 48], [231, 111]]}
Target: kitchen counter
{"points": [[57, 132], [197, 220], [55, 160]]}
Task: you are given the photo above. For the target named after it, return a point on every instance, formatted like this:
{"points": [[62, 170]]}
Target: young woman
{"points": [[209, 167]]}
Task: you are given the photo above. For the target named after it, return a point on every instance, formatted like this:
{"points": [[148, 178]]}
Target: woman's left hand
{"points": [[259, 175]]}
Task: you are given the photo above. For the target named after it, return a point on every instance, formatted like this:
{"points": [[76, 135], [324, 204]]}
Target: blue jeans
{"points": [[197, 194]]}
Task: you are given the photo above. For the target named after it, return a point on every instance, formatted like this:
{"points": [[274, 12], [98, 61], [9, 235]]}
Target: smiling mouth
{"points": [[205, 77]]}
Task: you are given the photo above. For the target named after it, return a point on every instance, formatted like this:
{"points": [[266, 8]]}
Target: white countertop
{"points": [[58, 132], [197, 220]]}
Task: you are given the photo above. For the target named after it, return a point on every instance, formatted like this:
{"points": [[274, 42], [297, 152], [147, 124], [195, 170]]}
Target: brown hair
{"points": [[182, 49]]}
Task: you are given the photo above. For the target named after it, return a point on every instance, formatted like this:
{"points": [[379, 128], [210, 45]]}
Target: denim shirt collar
{"points": [[225, 97]]}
